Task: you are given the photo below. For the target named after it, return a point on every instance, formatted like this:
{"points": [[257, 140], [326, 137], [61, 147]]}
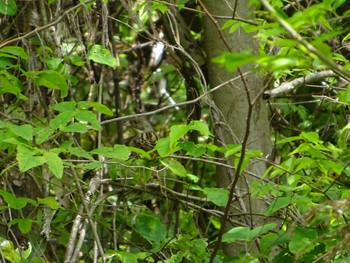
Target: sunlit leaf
{"points": [[14, 50], [8, 7], [218, 196], [55, 164], [245, 233], [101, 55]]}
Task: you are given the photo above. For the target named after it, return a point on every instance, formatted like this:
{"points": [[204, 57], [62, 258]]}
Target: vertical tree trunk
{"points": [[232, 101]]}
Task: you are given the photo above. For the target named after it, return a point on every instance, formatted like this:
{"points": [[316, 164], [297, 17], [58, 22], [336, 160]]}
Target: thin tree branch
{"points": [[288, 87]]}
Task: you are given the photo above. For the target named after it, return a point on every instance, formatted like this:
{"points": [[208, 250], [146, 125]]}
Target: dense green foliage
{"points": [[75, 187]]}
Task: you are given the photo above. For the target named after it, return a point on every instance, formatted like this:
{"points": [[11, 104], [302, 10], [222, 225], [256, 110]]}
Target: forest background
{"points": [[250, 104]]}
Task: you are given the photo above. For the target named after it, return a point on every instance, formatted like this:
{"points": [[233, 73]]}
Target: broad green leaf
{"points": [[77, 61], [177, 132], [232, 149], [65, 106], [289, 139], [101, 55], [303, 239], [158, 6], [271, 240], [14, 50], [52, 80], [200, 126], [140, 152], [176, 167], [163, 147], [131, 257], [119, 152], [79, 152], [279, 203], [218, 196], [24, 224], [15, 202], [54, 63], [192, 149], [76, 127], [7, 248], [310, 137], [24, 131], [103, 109], [28, 158], [62, 119], [93, 165], [8, 7], [232, 61], [43, 133], [89, 117], [9, 83], [245, 233], [55, 164], [50, 202], [150, 227]]}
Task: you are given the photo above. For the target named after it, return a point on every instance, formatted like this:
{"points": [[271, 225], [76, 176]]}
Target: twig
{"points": [[288, 87]]}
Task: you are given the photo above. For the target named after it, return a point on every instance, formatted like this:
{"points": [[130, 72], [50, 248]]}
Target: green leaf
{"points": [[50, 202], [65, 106], [192, 149], [9, 84], [62, 119], [52, 80], [176, 167], [163, 147], [245, 233], [218, 196], [119, 151], [303, 239], [14, 50], [8, 7], [310, 137], [271, 240], [279, 203], [131, 257], [232, 61], [15, 202], [7, 248], [24, 224], [75, 127], [24, 131], [200, 126], [103, 109], [150, 227], [27, 158], [55, 164], [177, 132], [43, 133], [79, 152], [101, 55], [232, 149], [89, 117]]}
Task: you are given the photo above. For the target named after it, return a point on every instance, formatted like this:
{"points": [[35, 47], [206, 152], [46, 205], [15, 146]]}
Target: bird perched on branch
{"points": [[146, 138]]}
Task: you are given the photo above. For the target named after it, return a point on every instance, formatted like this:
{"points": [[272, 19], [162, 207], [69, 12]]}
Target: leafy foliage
{"points": [[69, 170]]}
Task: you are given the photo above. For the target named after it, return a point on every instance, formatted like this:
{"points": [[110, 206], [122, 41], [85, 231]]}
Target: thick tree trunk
{"points": [[232, 101]]}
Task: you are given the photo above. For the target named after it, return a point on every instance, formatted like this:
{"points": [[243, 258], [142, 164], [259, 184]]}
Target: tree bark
{"points": [[232, 102]]}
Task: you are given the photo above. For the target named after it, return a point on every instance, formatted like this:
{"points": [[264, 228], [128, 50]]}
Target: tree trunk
{"points": [[232, 102]]}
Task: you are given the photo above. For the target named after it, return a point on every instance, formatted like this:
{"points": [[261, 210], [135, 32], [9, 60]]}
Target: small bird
{"points": [[146, 138]]}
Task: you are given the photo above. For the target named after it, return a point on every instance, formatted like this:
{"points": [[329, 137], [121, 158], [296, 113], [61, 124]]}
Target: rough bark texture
{"points": [[233, 104]]}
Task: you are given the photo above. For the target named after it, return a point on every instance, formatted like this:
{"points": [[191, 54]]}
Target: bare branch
{"points": [[288, 87]]}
